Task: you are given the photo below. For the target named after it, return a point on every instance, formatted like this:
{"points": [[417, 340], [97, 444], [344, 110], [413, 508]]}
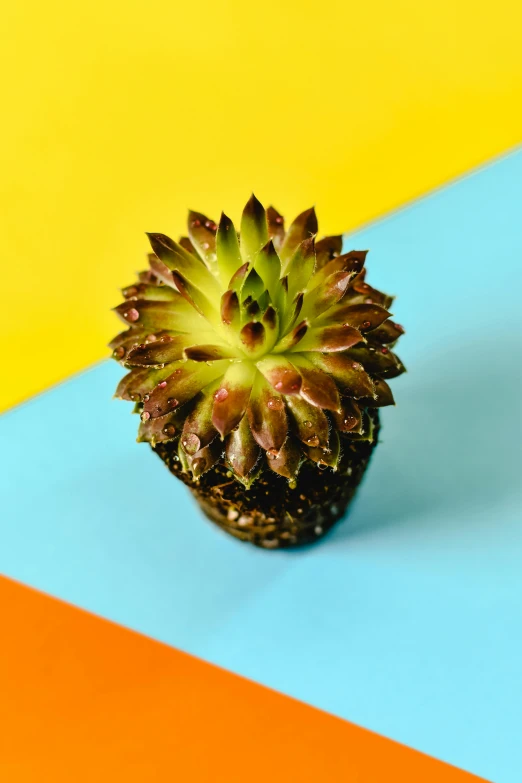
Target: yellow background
{"points": [[117, 116]]}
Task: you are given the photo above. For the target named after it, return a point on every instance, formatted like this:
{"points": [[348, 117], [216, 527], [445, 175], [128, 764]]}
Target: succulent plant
{"points": [[257, 362]]}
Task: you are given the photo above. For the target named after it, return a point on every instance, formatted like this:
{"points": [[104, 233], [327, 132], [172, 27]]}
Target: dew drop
{"points": [[369, 300], [146, 397], [279, 220], [131, 315], [221, 394], [275, 404], [322, 465], [294, 387], [313, 441], [366, 324], [162, 384], [190, 442], [210, 225], [364, 286], [135, 397], [172, 402], [278, 385], [272, 453], [384, 349], [151, 338], [356, 366], [119, 352], [145, 416], [232, 514], [308, 423], [205, 245], [349, 422], [198, 464], [169, 430], [196, 223], [178, 371], [371, 349]]}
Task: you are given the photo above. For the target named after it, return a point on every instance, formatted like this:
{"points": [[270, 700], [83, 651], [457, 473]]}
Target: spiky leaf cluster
{"points": [[257, 348]]}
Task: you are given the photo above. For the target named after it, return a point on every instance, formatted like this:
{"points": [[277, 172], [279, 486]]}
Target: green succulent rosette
{"points": [[256, 349]]}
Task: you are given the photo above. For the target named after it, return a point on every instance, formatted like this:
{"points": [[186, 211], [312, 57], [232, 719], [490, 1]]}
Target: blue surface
{"points": [[408, 618]]}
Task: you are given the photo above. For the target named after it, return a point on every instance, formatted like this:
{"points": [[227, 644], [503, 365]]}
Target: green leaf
{"points": [[287, 460], [303, 227], [242, 451], [280, 374], [231, 398], [202, 233], [276, 227], [316, 387], [310, 424], [182, 385], [329, 338], [329, 457], [268, 267], [228, 253], [267, 415], [158, 353], [178, 259], [175, 316], [254, 229], [349, 374]]}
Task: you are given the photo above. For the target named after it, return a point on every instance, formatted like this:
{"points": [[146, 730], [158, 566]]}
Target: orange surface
{"points": [[85, 700]]}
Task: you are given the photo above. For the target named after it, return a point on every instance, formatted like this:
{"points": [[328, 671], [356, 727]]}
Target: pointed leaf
{"points": [[364, 317], [280, 374], [237, 280], [350, 417], [268, 267], [388, 332], [292, 340], [253, 286], [253, 337], [309, 422], [383, 395], [348, 374], [349, 262], [198, 430], [159, 430], [276, 227], [328, 248], [329, 338], [158, 353], [303, 227], [196, 298], [231, 398], [287, 460], [380, 361], [138, 383], [177, 259], [125, 341], [316, 387], [202, 233], [205, 458], [327, 458], [325, 296], [187, 245], [209, 352], [242, 451], [158, 271], [299, 268], [361, 292], [175, 316], [182, 385], [228, 253], [254, 229], [230, 308], [158, 293], [267, 415]]}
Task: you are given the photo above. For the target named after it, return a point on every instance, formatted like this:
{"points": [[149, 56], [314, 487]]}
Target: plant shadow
{"points": [[451, 443]]}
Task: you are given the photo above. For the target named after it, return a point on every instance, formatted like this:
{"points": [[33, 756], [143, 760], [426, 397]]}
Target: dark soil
{"points": [[270, 514]]}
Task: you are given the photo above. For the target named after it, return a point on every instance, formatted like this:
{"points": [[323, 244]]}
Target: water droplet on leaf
{"points": [[221, 394], [119, 352], [169, 429], [162, 384], [190, 442], [131, 315], [198, 464], [145, 416], [308, 423], [272, 453], [275, 404], [366, 324], [172, 402]]}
